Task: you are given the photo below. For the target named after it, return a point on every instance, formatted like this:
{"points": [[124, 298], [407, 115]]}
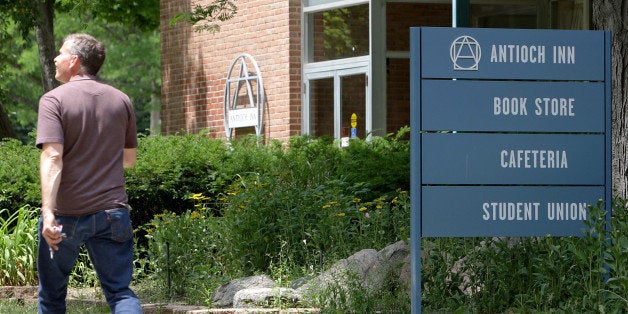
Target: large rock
{"points": [[266, 297], [223, 296], [396, 257], [367, 269]]}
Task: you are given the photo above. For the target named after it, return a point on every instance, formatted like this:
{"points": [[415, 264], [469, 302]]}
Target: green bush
{"points": [[293, 206], [169, 169], [19, 175]]}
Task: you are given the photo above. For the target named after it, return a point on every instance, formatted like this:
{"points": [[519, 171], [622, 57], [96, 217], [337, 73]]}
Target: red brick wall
{"points": [[399, 18], [195, 65]]}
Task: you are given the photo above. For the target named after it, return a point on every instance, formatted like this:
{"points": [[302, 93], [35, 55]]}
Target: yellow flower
{"points": [[194, 215], [326, 206], [196, 196], [379, 206], [356, 200], [362, 209], [340, 214]]}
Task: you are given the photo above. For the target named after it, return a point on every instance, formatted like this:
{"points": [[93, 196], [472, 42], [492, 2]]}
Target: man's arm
{"points": [[130, 156], [50, 166]]}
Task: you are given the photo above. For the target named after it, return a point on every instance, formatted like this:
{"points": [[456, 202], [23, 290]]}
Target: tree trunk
{"points": [[46, 42], [612, 15], [6, 129]]}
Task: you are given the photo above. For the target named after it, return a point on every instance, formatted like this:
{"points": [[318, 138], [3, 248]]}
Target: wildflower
{"points": [[196, 196], [367, 215], [340, 214], [379, 206], [356, 200], [194, 215], [363, 208], [149, 230], [326, 206], [395, 200]]}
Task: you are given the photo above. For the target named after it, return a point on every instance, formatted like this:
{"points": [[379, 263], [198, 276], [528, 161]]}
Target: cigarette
{"points": [[56, 228]]}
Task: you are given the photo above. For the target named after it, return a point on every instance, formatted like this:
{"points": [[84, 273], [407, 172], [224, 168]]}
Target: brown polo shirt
{"points": [[94, 122]]}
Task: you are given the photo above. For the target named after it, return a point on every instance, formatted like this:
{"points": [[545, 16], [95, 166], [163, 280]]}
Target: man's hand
{"points": [[50, 230]]}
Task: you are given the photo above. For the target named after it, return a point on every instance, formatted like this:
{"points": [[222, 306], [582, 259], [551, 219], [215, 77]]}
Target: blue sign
{"points": [[498, 158], [510, 133], [479, 211], [518, 106], [485, 53]]}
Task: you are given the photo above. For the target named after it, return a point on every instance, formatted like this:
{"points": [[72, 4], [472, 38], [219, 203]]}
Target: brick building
{"points": [[321, 60]]}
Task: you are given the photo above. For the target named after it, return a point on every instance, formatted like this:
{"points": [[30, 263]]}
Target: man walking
{"points": [[86, 131]]}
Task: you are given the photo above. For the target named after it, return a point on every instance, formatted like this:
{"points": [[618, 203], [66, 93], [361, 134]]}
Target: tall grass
{"points": [[18, 246]]}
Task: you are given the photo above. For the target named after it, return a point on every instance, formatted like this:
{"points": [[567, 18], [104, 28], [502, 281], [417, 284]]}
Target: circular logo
{"points": [[465, 53]]}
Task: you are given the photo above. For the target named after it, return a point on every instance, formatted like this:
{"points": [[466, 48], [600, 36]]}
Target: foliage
{"points": [[19, 175], [127, 28], [18, 246], [137, 14], [132, 65], [549, 274], [182, 250], [206, 17], [169, 169], [297, 196], [217, 212]]}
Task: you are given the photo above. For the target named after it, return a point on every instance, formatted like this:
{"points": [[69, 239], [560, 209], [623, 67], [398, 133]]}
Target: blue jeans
{"points": [[108, 236]]}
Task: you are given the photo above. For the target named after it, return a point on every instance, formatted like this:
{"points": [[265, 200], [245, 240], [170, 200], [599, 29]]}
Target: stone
{"points": [[223, 296], [266, 297]]}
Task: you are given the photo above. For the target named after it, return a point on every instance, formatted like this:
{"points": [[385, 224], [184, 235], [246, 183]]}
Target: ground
{"points": [[29, 293]]}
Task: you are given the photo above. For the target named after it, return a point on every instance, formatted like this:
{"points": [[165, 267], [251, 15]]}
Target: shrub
{"points": [[168, 169], [19, 175]]}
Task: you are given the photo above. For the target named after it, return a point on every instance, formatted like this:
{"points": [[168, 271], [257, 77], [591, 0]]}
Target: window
{"points": [[336, 68], [534, 14]]}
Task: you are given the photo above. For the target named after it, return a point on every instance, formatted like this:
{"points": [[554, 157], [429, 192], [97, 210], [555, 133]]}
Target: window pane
{"points": [[554, 14], [339, 33], [322, 107], [353, 101]]}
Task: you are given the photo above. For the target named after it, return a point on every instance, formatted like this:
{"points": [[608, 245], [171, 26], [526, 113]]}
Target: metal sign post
{"points": [[510, 133]]}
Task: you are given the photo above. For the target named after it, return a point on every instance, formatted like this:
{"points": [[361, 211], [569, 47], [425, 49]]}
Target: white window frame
{"points": [[335, 69]]}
